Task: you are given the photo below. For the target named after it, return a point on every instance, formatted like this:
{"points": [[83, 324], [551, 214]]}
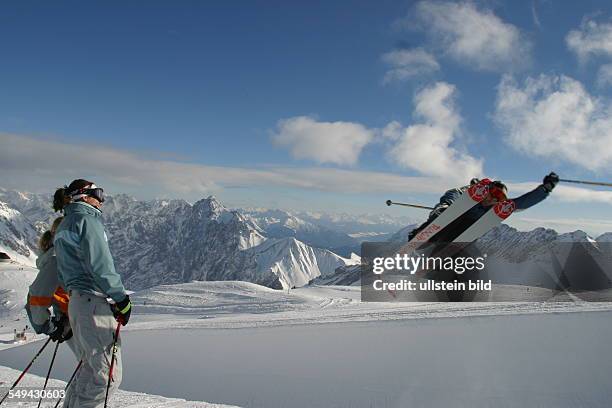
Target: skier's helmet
{"points": [[498, 190], [80, 188]]}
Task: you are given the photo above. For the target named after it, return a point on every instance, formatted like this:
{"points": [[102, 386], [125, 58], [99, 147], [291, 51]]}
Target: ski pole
{"points": [[592, 183], [389, 203], [48, 373], [69, 382], [25, 370], [112, 364]]}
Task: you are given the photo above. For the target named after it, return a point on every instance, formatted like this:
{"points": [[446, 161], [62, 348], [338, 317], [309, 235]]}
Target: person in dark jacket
{"points": [[497, 192]]}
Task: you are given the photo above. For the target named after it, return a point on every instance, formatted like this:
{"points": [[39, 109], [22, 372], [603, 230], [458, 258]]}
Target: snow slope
{"points": [[554, 360], [278, 353], [14, 282], [295, 263], [123, 399], [242, 304], [18, 237], [230, 304]]}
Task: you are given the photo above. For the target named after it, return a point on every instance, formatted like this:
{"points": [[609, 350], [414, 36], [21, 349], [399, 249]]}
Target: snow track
{"points": [[122, 399], [241, 304]]}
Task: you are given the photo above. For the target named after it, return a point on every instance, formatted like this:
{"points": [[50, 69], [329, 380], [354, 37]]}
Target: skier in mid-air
{"points": [[497, 193]]}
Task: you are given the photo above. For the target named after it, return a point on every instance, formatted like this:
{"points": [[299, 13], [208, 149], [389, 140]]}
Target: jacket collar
{"points": [[81, 207]]}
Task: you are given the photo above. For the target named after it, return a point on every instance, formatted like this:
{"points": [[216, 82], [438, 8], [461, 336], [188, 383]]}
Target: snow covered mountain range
{"points": [[17, 235], [340, 233], [172, 241]]}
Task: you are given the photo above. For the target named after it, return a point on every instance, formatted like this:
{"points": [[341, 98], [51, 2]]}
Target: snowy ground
{"points": [[550, 360], [240, 343], [120, 399]]}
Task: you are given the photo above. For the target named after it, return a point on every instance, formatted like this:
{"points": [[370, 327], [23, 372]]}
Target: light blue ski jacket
{"points": [[84, 260]]}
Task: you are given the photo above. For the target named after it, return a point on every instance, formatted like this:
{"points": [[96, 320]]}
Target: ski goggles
{"points": [[90, 191]]}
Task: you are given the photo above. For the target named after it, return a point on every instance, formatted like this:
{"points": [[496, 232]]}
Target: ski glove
{"points": [[61, 330], [122, 310], [550, 181]]}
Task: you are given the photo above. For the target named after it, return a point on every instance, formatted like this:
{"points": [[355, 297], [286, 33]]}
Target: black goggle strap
{"points": [[91, 191]]}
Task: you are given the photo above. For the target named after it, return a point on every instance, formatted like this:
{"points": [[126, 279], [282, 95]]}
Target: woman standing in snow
{"points": [[46, 291], [87, 270]]}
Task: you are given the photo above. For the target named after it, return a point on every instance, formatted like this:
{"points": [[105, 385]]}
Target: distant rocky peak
{"points": [[606, 237], [209, 207], [575, 236]]}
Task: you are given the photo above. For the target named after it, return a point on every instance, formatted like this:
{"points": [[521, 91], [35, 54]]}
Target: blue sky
{"points": [[310, 105]]}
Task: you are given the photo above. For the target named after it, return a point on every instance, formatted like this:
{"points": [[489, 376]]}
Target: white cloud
{"points": [[323, 142], [35, 164], [406, 64], [534, 15], [604, 76], [582, 195], [591, 39], [474, 37], [393, 130], [427, 147], [555, 117]]}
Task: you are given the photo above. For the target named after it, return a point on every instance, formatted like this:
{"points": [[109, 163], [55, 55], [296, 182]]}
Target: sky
{"points": [[328, 106]]}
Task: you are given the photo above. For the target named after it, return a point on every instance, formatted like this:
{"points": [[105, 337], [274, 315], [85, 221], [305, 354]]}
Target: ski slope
{"points": [[14, 282], [122, 399], [243, 304], [318, 346], [556, 360]]}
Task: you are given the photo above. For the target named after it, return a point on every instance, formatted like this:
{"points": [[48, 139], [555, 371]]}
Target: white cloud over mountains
{"points": [[29, 163], [35, 164], [323, 142], [553, 116], [473, 36]]}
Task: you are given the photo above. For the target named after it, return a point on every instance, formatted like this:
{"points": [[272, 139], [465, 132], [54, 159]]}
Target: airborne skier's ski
{"points": [[487, 222], [475, 194]]}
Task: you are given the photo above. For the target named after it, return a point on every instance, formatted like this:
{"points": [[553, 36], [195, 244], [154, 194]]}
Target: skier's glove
{"points": [[60, 329], [550, 181], [122, 310]]}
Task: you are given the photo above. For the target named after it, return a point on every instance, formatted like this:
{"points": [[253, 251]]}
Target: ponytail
{"points": [[46, 241], [56, 224], [60, 199], [62, 196]]}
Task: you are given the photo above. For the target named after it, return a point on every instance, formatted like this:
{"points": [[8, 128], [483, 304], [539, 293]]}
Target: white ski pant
{"points": [[93, 327]]}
